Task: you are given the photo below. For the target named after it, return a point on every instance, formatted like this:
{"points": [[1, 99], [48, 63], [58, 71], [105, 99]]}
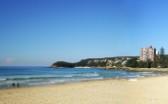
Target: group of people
{"points": [[17, 85]]}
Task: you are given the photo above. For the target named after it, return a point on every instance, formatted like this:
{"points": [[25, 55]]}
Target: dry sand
{"points": [[141, 91]]}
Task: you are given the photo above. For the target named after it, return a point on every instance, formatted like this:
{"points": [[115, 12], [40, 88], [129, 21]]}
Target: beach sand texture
{"points": [[142, 91]]}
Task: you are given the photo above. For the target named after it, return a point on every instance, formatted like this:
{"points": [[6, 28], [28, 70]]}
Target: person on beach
{"points": [[17, 85], [13, 84]]}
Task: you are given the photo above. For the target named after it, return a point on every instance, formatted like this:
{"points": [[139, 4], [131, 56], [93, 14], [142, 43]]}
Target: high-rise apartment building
{"points": [[148, 54]]}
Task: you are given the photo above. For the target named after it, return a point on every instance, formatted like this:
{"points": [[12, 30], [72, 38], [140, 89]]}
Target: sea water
{"points": [[35, 76]]}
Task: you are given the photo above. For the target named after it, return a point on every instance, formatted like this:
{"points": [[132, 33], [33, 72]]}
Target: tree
{"points": [[142, 64], [63, 64], [132, 63]]}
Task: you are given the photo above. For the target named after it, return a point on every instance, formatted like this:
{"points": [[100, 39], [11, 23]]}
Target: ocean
{"points": [[37, 76]]}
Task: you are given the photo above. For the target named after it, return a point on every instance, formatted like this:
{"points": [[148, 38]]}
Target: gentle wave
{"points": [[2, 79], [11, 77], [30, 82], [87, 75], [49, 76]]}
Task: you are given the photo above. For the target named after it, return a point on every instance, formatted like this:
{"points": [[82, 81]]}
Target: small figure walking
{"points": [[18, 85], [13, 84]]}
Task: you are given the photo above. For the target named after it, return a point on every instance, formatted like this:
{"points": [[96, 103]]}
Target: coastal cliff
{"points": [[108, 62]]}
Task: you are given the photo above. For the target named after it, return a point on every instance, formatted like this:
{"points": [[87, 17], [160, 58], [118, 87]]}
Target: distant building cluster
{"points": [[148, 54]]}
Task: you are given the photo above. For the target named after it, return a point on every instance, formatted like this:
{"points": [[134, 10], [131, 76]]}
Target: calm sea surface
{"points": [[34, 76]]}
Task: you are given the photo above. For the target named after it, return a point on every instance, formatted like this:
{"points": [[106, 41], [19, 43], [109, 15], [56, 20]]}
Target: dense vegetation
{"points": [[96, 62], [63, 64]]}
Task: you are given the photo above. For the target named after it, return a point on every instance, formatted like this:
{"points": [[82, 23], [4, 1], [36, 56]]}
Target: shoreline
{"points": [[152, 90], [85, 81], [155, 70], [136, 69], [125, 68]]}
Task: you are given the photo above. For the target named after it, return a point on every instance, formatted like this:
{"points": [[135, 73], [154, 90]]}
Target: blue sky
{"points": [[40, 32]]}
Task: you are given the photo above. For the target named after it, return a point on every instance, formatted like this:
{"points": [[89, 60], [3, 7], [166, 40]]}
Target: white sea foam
{"points": [[2, 79], [89, 74], [83, 67], [133, 80]]}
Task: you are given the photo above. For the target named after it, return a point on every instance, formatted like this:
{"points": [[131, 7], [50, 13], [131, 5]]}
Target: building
{"points": [[148, 54]]}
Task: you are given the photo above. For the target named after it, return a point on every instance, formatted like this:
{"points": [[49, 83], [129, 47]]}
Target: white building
{"points": [[148, 54]]}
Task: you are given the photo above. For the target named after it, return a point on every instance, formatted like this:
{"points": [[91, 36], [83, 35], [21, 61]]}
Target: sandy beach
{"points": [[112, 91]]}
